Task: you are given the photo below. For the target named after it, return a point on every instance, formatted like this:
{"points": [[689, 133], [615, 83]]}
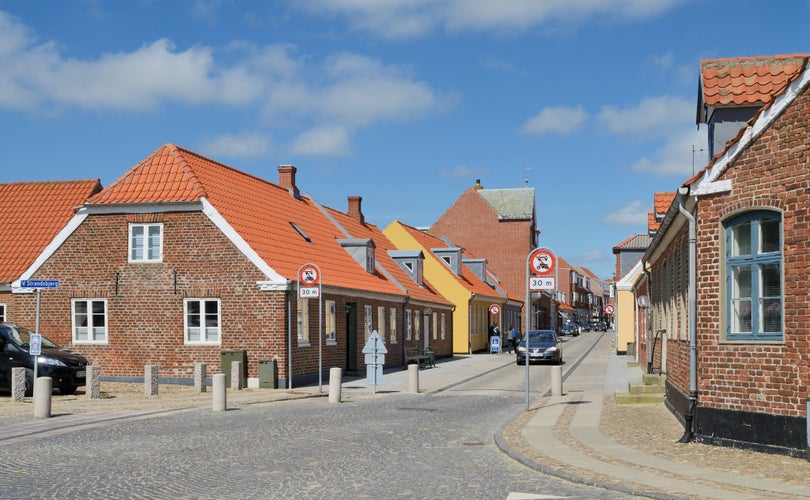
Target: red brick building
{"points": [[737, 237], [183, 258]]}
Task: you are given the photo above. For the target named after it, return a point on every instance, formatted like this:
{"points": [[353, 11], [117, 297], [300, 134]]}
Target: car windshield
{"points": [[541, 337], [22, 337]]}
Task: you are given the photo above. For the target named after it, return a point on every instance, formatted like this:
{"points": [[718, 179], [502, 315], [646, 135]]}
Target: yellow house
{"points": [[463, 281], [628, 307]]}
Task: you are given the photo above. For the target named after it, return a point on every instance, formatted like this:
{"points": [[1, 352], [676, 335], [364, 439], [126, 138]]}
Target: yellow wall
{"points": [[625, 319]]}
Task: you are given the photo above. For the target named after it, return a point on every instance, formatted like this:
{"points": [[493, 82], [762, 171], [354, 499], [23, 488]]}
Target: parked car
{"points": [[585, 327], [67, 369], [544, 345], [600, 326], [569, 329]]}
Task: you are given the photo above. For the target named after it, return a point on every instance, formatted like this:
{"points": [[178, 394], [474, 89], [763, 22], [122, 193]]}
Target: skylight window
{"points": [[301, 232]]}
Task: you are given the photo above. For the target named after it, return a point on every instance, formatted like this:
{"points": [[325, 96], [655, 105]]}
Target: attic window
{"points": [[301, 232], [447, 260], [409, 265]]}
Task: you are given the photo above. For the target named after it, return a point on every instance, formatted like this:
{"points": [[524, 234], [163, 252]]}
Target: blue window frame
{"points": [[754, 304]]}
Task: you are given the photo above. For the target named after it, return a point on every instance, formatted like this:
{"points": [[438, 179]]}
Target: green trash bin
{"points": [[268, 377], [230, 356]]}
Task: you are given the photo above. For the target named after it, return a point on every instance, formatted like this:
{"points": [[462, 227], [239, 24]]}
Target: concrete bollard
{"points": [[220, 400], [93, 382], [150, 380], [335, 384], [43, 387], [413, 378], [18, 385], [556, 381], [236, 375], [200, 377]]}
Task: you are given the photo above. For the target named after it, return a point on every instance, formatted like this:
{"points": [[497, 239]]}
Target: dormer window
{"points": [[412, 262], [451, 258], [362, 251]]}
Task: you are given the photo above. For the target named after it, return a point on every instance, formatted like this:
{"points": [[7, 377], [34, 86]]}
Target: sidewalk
{"points": [[581, 436]]}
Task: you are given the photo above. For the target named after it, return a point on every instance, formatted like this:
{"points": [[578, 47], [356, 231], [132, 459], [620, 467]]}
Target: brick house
{"points": [[465, 281], [501, 226], [183, 258], [728, 267]]}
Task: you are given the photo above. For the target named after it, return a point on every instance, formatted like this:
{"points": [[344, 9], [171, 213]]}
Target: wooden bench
{"points": [[420, 356]]}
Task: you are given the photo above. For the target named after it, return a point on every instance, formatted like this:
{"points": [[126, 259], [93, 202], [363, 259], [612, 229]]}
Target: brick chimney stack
{"points": [[355, 209], [286, 179]]}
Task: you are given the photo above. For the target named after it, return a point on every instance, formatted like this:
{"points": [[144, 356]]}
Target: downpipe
{"points": [[689, 418]]}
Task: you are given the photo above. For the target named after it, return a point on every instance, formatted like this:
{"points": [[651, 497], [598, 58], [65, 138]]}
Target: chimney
{"points": [[286, 179], [478, 186], [355, 211]]}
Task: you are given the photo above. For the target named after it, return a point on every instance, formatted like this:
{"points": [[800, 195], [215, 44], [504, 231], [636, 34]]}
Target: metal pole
{"points": [[528, 306], [320, 336], [36, 328]]}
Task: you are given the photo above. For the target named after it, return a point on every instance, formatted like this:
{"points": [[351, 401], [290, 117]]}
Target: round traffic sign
{"points": [[494, 309], [542, 262], [309, 275], [609, 309]]}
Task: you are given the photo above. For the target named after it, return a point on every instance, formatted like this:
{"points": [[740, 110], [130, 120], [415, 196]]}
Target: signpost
{"points": [[609, 309], [309, 287], [375, 352], [35, 342], [541, 274]]}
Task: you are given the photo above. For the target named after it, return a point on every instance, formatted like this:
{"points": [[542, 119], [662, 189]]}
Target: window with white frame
{"points": [[393, 330], [2, 312], [416, 324], [381, 322], [303, 322], [368, 319], [145, 242], [89, 321], [444, 328], [435, 318], [408, 324], [202, 321], [753, 268], [331, 336]]}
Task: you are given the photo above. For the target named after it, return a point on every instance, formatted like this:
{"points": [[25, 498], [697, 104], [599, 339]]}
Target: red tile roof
{"points": [[33, 214], [662, 201], [747, 81], [261, 212]]}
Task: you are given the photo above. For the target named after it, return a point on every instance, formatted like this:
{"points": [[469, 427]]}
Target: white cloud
{"points": [[323, 140], [463, 172], [248, 144], [394, 19], [555, 119], [634, 214], [653, 116], [682, 154]]}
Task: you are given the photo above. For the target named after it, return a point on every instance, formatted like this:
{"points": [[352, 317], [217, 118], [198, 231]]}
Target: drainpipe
{"points": [[469, 323], [648, 313], [693, 394]]}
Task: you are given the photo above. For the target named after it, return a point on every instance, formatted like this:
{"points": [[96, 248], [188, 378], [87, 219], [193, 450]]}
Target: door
{"points": [[351, 337]]}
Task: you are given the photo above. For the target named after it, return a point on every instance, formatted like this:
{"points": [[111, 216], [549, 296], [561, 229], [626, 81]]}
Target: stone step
{"points": [[646, 389], [653, 379], [625, 398]]}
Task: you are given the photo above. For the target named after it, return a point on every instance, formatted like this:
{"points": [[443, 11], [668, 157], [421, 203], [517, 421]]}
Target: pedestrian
{"points": [[512, 338]]}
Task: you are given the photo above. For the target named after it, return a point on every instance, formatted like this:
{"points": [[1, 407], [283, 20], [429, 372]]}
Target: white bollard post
{"points": [[413, 378], [18, 384], [43, 387], [93, 382], [335, 384], [200, 377], [220, 392], [150, 380], [556, 381]]}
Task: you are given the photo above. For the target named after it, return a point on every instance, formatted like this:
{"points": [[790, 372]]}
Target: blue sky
{"points": [[403, 102]]}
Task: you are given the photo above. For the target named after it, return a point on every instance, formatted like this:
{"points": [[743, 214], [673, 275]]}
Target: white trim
{"points": [[274, 281], [141, 208], [708, 183]]}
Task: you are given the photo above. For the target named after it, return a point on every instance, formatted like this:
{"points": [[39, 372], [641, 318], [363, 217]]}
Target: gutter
{"points": [[693, 394]]}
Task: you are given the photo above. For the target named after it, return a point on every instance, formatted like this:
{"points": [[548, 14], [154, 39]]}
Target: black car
{"points": [[544, 345], [600, 326], [569, 329], [67, 369]]}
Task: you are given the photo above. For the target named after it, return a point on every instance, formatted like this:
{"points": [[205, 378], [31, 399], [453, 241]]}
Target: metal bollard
{"points": [[43, 387], [335, 384], [556, 381], [93, 383], [413, 378], [220, 402]]}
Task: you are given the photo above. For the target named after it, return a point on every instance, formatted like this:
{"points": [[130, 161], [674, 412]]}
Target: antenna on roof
{"points": [[693, 157], [526, 179]]}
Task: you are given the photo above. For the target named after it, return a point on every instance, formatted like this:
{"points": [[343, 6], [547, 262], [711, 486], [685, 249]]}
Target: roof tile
{"points": [[747, 81]]}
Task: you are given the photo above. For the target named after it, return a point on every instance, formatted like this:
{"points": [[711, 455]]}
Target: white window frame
{"points": [[148, 252], [417, 322], [381, 322], [330, 334], [303, 322], [444, 328], [408, 324], [393, 323], [207, 334], [87, 332], [2, 312], [368, 320]]}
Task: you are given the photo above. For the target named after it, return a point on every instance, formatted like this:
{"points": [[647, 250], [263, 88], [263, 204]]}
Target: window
{"points": [[435, 318], [368, 319], [381, 322], [89, 321], [202, 321], [754, 277], [331, 338], [2, 312], [393, 329], [303, 322], [145, 242], [444, 328], [408, 324], [416, 323]]}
